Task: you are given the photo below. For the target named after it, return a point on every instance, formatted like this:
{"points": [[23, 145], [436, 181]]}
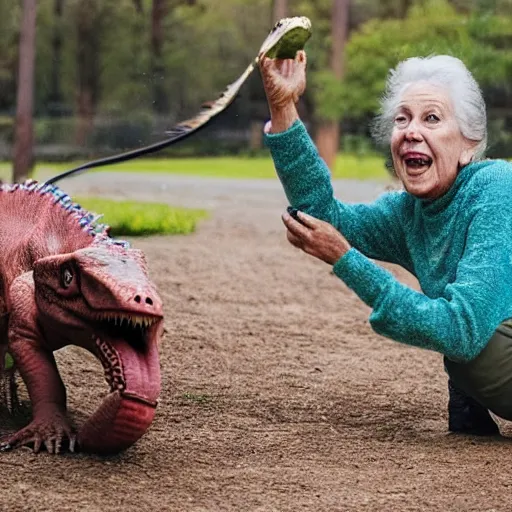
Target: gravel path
{"points": [[277, 395]]}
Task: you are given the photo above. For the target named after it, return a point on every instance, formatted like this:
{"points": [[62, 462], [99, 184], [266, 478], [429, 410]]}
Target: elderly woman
{"points": [[451, 226]]}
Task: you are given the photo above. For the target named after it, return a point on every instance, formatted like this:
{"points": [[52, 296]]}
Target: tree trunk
{"points": [[138, 6], [88, 34], [405, 5], [55, 99], [328, 132], [23, 130], [160, 97], [279, 10]]}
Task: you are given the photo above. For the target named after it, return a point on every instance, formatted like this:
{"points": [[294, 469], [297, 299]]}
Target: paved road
{"points": [[198, 192]]}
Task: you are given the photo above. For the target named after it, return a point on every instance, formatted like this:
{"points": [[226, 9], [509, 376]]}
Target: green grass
{"points": [[347, 167], [132, 218], [197, 398]]}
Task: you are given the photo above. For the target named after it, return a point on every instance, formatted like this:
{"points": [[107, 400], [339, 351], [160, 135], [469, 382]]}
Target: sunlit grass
{"points": [[347, 167], [135, 218]]}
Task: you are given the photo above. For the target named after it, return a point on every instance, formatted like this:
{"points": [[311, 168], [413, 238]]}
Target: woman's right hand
{"points": [[284, 80]]}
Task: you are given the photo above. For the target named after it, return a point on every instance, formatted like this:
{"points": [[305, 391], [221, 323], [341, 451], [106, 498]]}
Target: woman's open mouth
{"points": [[416, 163]]}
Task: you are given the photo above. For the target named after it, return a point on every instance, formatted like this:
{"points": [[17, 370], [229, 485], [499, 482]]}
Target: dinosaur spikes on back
{"points": [[87, 221]]}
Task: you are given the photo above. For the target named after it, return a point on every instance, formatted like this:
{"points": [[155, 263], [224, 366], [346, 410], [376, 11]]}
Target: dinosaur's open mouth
{"points": [[133, 329], [127, 348]]}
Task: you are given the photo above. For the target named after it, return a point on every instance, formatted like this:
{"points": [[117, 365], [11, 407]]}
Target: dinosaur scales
{"points": [[64, 281]]}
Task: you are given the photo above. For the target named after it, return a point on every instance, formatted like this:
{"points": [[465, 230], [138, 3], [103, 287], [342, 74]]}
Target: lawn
{"points": [[347, 167], [136, 218]]}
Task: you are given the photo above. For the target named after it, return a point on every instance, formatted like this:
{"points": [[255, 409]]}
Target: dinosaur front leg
{"points": [[38, 369], [49, 425]]}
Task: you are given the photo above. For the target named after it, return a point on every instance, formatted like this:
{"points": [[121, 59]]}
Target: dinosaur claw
{"points": [[43, 433], [5, 447], [49, 446], [37, 444]]}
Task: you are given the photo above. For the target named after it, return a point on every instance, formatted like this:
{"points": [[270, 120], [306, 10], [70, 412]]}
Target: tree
{"points": [[481, 41], [139, 7], [160, 98], [94, 58], [279, 10], [55, 98], [10, 15], [24, 132], [328, 131], [88, 31]]}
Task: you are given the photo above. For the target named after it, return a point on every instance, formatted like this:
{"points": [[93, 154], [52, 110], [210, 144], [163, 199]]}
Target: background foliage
{"points": [[132, 96], [135, 218]]}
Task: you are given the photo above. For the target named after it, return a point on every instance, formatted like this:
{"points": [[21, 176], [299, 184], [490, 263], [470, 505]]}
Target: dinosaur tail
{"points": [[284, 40], [182, 130]]}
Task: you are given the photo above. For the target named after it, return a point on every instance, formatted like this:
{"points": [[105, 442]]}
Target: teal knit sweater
{"points": [[459, 246]]}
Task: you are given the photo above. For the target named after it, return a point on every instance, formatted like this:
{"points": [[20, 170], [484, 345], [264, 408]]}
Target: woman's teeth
{"points": [[418, 162]]}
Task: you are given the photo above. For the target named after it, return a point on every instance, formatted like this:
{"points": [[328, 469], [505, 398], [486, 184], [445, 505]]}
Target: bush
{"points": [[132, 218]]}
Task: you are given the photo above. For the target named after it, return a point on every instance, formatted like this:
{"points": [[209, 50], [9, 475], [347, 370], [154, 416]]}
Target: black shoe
{"points": [[467, 416]]}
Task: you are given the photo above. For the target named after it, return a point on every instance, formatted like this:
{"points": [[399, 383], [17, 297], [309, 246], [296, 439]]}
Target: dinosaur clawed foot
{"points": [[51, 430]]}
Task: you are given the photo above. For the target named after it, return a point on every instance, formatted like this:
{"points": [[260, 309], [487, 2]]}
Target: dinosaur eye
{"points": [[66, 277]]}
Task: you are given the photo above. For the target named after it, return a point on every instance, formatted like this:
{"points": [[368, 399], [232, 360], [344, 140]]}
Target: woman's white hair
{"points": [[444, 71]]}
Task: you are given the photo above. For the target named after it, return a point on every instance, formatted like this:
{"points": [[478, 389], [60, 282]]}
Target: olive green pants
{"points": [[488, 377]]}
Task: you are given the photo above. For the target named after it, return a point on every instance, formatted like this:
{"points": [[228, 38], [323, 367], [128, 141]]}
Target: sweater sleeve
{"points": [[460, 322], [374, 229]]}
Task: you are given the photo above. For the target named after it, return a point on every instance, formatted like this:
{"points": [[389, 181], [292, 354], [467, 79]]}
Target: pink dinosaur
{"points": [[64, 281]]}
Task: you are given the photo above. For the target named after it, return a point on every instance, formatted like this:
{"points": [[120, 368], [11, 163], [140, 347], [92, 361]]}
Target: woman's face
{"points": [[427, 145]]}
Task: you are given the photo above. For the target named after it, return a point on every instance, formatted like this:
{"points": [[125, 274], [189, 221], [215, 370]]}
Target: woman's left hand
{"points": [[315, 237]]}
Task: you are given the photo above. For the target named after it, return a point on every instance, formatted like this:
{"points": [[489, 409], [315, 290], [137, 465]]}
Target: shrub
{"points": [[133, 218]]}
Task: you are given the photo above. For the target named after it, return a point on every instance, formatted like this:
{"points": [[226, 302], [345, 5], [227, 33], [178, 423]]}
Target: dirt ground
{"points": [[277, 395]]}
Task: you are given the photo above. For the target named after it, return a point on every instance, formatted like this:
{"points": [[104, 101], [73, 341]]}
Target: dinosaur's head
{"points": [[101, 298]]}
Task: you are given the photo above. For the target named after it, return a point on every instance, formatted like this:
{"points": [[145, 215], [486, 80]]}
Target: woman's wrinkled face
{"points": [[427, 145]]}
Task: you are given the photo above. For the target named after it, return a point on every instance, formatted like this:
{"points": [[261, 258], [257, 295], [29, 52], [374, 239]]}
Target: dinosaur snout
{"points": [[149, 303], [147, 300]]}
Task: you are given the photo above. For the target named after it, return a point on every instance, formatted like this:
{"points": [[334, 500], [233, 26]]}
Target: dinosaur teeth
{"points": [[138, 320], [127, 320]]}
